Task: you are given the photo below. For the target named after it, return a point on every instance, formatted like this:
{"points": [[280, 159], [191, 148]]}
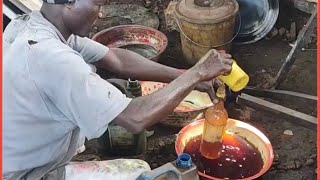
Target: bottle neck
{"points": [[134, 87], [218, 105], [133, 83]]}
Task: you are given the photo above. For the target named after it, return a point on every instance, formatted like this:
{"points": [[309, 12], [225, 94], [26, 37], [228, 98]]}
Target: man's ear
{"points": [[70, 4]]}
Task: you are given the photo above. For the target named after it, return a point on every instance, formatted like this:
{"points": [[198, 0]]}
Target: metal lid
{"points": [[257, 19], [206, 11]]}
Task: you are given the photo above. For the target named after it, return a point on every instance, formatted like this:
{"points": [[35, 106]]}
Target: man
{"points": [[53, 99]]}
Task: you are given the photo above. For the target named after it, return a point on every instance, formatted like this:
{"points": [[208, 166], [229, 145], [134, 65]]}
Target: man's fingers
{"points": [[226, 55], [212, 93], [223, 53], [213, 96], [217, 83], [227, 61], [226, 70], [226, 58]]}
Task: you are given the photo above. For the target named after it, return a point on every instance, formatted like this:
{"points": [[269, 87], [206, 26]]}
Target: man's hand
{"points": [[209, 87], [213, 64]]}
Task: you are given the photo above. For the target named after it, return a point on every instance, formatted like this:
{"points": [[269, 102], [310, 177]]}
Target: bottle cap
{"points": [[184, 161]]}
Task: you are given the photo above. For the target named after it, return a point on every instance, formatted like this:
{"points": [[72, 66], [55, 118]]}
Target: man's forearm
{"points": [[128, 64], [145, 111]]}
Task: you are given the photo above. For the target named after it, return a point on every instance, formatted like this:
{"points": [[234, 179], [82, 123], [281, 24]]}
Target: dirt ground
{"points": [[295, 157]]}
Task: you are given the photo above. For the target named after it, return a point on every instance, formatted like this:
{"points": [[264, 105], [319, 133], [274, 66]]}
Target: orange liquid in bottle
{"points": [[214, 127]]}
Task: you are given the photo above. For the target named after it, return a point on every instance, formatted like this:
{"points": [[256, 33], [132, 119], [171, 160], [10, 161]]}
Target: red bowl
{"points": [[200, 100], [252, 134], [126, 35]]}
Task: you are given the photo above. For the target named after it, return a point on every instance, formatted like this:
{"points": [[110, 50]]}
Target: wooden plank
{"points": [[279, 94], [298, 101], [302, 40], [305, 5], [291, 115]]}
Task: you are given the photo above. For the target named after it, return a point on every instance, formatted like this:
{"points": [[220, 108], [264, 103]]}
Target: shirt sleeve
{"points": [[82, 96], [90, 50]]}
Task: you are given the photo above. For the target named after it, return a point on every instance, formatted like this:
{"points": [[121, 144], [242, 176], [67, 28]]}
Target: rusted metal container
{"points": [[143, 40], [204, 25]]}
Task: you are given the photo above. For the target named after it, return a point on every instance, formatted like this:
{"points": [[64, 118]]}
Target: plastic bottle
{"points": [[183, 169], [134, 87], [216, 118], [121, 142]]}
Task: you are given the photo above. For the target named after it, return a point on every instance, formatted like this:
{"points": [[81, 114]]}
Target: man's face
{"points": [[80, 16]]}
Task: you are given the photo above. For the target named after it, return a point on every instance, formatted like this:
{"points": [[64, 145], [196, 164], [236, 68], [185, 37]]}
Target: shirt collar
{"points": [[42, 22]]}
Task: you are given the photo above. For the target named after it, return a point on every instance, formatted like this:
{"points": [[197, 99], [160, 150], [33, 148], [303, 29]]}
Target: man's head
{"points": [[77, 16]]}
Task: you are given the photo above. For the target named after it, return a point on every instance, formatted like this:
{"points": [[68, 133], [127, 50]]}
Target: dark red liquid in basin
{"points": [[238, 158]]}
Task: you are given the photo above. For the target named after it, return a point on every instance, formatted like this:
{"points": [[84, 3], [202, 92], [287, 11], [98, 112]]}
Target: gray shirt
{"points": [[51, 97]]}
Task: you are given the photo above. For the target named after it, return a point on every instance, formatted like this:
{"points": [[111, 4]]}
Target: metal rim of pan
{"points": [[262, 27]]}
